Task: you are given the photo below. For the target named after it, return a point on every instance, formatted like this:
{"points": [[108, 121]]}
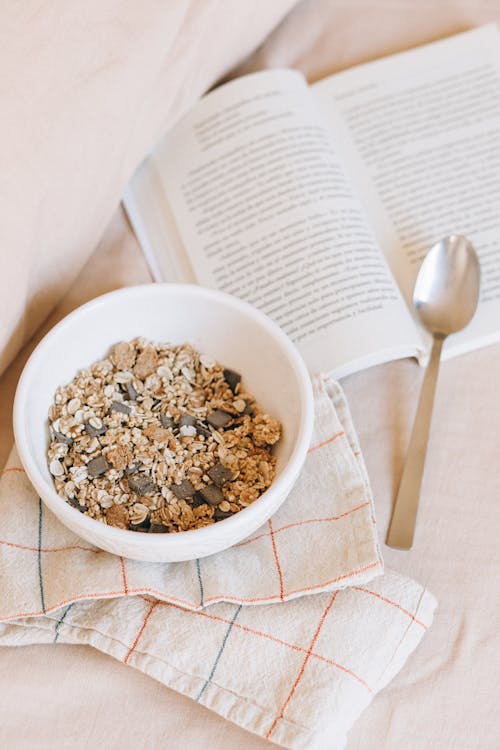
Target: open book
{"points": [[317, 203]]}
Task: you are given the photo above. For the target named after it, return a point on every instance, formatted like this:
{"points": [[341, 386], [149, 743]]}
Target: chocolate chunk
{"points": [[118, 406], [97, 466], [157, 528], [219, 514], [219, 418], [197, 500], [131, 391], [133, 468], [166, 421], [232, 378], [184, 490], [219, 474], [248, 410], [212, 494], [141, 485], [94, 431], [62, 438], [143, 526], [187, 420]]}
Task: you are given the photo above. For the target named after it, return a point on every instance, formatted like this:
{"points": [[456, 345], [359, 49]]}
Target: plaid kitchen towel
{"points": [[326, 630]]}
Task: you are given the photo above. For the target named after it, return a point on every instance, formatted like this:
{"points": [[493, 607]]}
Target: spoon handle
{"points": [[402, 526]]}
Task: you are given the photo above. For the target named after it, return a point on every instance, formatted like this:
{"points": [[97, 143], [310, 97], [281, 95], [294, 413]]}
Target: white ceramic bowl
{"points": [[234, 333]]}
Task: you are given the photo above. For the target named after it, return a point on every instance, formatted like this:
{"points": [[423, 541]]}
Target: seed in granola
{"points": [[146, 363], [212, 494], [123, 355], [219, 474], [62, 438], [187, 420], [97, 466], [166, 421], [219, 418], [133, 468], [184, 490], [239, 405], [202, 429], [56, 468], [131, 391], [94, 427], [117, 516], [74, 502], [224, 506], [141, 485], [188, 430], [120, 407], [232, 378]]}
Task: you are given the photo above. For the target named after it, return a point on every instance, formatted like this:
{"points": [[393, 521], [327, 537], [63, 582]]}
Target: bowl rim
{"points": [[97, 529]]}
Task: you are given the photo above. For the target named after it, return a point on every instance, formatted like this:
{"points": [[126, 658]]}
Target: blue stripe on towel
{"points": [[40, 577], [61, 620], [200, 581], [219, 654]]}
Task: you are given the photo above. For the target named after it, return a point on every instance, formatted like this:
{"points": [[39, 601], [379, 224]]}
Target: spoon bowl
{"points": [[447, 288]]}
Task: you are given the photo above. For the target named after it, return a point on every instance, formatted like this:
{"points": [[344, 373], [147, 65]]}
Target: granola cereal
{"points": [[159, 438]]}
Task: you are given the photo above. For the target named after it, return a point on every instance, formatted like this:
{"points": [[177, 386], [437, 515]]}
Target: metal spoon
{"points": [[445, 299]]}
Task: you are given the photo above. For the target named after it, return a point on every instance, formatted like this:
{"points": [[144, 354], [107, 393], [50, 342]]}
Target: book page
{"points": [[262, 205], [422, 134]]}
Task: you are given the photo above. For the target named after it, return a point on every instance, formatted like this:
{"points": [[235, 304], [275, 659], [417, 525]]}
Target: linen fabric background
{"points": [[71, 135]]}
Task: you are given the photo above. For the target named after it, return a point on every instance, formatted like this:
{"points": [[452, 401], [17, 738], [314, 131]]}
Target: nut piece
{"points": [[119, 457], [146, 363], [123, 355], [117, 516], [155, 432]]}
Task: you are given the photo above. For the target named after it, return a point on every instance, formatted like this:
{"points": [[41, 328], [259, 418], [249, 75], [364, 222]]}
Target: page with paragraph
{"points": [[261, 201], [422, 134]]}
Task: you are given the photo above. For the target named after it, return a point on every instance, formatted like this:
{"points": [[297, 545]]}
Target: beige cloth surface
{"points": [[87, 88], [289, 634], [447, 696]]}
